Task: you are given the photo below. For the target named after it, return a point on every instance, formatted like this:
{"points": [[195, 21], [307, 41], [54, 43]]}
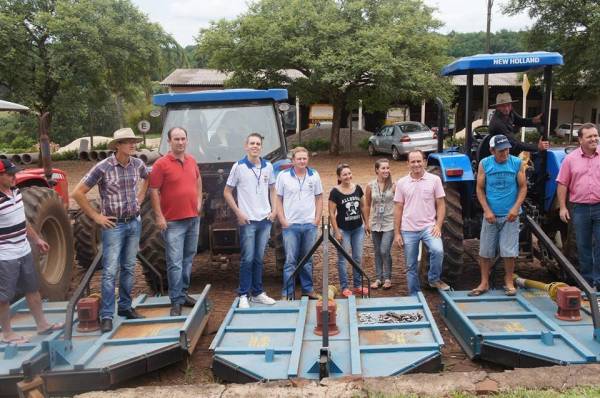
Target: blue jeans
{"points": [[352, 242], [119, 248], [253, 242], [411, 256], [586, 220], [181, 241], [298, 239], [382, 246]]}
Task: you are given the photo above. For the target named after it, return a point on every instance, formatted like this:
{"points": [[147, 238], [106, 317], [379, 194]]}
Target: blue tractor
{"points": [[457, 167]]}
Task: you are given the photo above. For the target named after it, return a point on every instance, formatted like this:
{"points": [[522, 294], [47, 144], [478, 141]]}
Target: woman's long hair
{"points": [[339, 169], [388, 181]]}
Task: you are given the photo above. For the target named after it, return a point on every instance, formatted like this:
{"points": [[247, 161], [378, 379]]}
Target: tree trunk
{"points": [[338, 107]]}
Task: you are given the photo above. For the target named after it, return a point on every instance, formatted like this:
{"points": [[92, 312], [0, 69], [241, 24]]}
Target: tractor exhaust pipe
{"points": [[45, 146]]}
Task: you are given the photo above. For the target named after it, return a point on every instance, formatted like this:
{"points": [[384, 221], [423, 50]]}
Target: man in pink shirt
{"points": [[418, 216], [579, 176]]}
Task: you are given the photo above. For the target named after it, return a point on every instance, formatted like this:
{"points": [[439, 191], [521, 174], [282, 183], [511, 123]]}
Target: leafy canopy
{"points": [[381, 51]]}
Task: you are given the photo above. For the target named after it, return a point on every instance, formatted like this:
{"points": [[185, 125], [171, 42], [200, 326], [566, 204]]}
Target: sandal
{"points": [[52, 328], [15, 340], [510, 291], [346, 292], [376, 284], [387, 285], [477, 292], [361, 291]]}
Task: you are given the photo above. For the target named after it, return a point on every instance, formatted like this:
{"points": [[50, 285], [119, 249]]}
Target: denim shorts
{"points": [[17, 275], [502, 233]]}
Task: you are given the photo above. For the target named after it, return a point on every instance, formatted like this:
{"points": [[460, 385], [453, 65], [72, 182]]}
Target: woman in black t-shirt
{"points": [[346, 214]]}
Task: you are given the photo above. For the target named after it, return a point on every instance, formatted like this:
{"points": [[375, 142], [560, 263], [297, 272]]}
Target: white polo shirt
{"points": [[299, 195], [252, 183]]}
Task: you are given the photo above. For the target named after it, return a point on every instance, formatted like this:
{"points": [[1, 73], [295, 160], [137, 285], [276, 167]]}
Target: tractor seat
{"points": [[483, 150]]}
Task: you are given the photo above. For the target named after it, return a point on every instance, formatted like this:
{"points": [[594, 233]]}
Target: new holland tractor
{"points": [[218, 123], [46, 199], [457, 167]]}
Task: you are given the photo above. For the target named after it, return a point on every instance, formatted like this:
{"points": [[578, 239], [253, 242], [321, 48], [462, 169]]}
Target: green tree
{"points": [[341, 50], [79, 59], [503, 41], [573, 29]]}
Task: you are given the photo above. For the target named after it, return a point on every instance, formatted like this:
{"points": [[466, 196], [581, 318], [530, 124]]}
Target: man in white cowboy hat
{"points": [[118, 179], [505, 121]]}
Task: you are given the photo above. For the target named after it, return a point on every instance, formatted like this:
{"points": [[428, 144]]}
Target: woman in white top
{"points": [[379, 211]]}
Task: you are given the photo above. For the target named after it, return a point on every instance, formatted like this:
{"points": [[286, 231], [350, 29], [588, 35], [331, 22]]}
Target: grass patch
{"points": [[364, 143]]}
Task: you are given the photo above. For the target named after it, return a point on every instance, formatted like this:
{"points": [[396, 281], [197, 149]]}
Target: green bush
{"points": [[364, 143], [451, 141], [318, 144], [67, 155], [531, 136], [100, 147]]}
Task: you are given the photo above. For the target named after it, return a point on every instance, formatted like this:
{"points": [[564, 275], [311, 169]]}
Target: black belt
{"points": [[123, 220]]}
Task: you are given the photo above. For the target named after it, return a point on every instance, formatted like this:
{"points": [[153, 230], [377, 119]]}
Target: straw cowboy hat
{"points": [[503, 98], [121, 135]]}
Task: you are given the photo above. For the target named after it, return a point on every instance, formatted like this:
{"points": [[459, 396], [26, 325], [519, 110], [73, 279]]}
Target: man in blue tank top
{"points": [[501, 189]]}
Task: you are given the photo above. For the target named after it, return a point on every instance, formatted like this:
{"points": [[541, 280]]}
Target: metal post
{"points": [[469, 115], [546, 100], [360, 115], [325, 292], [298, 119], [422, 112]]}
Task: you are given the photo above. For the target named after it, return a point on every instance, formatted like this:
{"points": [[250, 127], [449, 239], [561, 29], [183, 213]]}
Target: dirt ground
{"points": [[224, 280]]}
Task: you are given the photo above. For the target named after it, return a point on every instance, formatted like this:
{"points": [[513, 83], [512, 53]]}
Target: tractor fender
{"points": [[281, 165], [451, 161]]}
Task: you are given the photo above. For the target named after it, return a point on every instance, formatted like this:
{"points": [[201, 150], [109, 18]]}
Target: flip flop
{"points": [[52, 328], [510, 292], [17, 340], [477, 292]]}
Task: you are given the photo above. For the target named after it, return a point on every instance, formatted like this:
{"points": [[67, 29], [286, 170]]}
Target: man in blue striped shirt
{"points": [[16, 261]]}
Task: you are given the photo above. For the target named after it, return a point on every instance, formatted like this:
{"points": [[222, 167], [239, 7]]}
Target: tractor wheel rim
{"points": [[52, 264]]}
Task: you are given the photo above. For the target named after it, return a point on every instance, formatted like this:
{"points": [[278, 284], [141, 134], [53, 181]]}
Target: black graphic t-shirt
{"points": [[348, 208]]}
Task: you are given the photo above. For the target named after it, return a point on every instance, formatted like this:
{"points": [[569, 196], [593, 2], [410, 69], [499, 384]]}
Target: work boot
{"points": [[189, 301], [130, 314], [175, 310], [312, 295], [106, 325], [439, 285]]}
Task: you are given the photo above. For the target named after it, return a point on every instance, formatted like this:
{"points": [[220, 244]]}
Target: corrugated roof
{"points": [[207, 77], [11, 106], [496, 79], [213, 77]]}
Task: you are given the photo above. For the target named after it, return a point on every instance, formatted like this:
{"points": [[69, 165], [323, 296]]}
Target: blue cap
{"points": [[499, 142]]}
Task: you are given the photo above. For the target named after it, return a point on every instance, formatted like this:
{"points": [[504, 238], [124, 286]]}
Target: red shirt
{"points": [[580, 173], [178, 186]]}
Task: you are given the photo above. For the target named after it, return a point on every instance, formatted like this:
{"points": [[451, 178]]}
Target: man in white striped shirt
{"points": [[16, 261]]}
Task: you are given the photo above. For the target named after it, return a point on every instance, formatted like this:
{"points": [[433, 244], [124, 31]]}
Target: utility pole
{"points": [[490, 4]]}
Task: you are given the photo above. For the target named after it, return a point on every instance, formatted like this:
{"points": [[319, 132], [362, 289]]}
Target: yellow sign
{"points": [[514, 327], [525, 85], [260, 341]]}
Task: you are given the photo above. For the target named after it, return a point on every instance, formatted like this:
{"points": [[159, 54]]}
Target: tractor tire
{"points": [[396, 154], [452, 237], [88, 236], [570, 246], [47, 215], [277, 243], [152, 247]]}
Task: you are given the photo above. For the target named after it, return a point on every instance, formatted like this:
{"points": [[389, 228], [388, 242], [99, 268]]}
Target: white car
{"points": [[564, 129]]}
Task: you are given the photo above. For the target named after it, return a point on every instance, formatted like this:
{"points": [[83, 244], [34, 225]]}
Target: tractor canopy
{"points": [[243, 94], [502, 63], [12, 107]]}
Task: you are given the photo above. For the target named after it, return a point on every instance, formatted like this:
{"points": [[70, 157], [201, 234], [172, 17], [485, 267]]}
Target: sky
{"points": [[184, 18]]}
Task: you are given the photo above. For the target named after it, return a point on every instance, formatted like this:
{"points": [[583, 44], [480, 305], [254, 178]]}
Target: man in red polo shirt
{"points": [[579, 177], [176, 194]]}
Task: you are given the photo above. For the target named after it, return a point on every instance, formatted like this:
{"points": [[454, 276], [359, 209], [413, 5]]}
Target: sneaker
{"points": [[362, 291], [244, 302], [263, 299], [346, 292], [439, 285]]}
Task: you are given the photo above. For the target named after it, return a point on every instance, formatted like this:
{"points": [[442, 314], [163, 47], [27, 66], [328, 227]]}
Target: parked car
{"points": [[400, 138], [564, 129]]}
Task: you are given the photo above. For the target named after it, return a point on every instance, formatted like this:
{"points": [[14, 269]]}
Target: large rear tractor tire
{"points": [[152, 247], [452, 237], [88, 236], [48, 217], [277, 243]]}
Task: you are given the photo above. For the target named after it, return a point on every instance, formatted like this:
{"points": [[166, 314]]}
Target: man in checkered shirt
{"points": [[117, 177]]}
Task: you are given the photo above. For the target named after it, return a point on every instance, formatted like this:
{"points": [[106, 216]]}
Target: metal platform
{"points": [[278, 342], [519, 331], [95, 361]]}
